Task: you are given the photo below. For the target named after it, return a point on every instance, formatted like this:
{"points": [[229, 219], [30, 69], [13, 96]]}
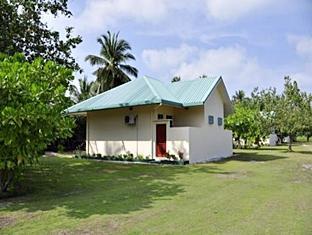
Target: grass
{"points": [[266, 191]]}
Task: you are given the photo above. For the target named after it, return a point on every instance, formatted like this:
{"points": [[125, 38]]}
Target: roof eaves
{"points": [[172, 103], [193, 104], [123, 105]]}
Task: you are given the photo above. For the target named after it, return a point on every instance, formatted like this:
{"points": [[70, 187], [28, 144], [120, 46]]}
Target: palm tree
{"points": [[113, 70], [85, 91], [239, 96]]}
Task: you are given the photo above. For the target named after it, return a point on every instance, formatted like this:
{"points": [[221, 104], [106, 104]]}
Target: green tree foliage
{"points": [[84, 91], [243, 122], [239, 96], [22, 30], [265, 112], [290, 110], [265, 101], [307, 115], [176, 79], [114, 54], [32, 97]]}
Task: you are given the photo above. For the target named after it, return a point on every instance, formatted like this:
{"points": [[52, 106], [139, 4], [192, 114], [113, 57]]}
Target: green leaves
{"points": [[244, 122], [32, 99], [22, 30], [113, 56], [289, 113]]}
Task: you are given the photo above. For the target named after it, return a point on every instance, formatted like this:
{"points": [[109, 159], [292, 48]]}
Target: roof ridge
{"points": [[151, 87], [194, 79], [207, 94]]}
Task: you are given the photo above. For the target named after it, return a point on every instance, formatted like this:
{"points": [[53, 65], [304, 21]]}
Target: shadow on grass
{"points": [[84, 188], [304, 152], [249, 156]]}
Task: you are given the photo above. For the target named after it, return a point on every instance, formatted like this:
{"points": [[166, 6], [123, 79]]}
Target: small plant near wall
{"points": [[181, 155], [140, 157], [170, 157], [129, 157], [98, 156]]}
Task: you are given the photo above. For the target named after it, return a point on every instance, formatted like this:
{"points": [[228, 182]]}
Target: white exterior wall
{"points": [[211, 141], [178, 140], [109, 135], [193, 117], [214, 106], [208, 144]]}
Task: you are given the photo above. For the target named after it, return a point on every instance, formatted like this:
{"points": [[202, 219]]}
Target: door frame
{"points": [[155, 133], [161, 135]]}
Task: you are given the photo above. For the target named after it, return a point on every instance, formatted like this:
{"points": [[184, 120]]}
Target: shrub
{"points": [[140, 157], [98, 156], [60, 148], [181, 155], [173, 157]]}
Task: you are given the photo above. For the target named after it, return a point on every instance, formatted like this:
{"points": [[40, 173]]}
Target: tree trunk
{"points": [[290, 144], [239, 143], [258, 141], [308, 138], [6, 177], [245, 143]]}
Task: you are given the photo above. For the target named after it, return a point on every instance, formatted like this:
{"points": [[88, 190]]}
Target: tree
{"points": [[85, 91], [22, 30], [307, 115], [289, 110], [32, 98], [243, 122], [239, 96], [266, 101], [114, 53], [176, 79]]}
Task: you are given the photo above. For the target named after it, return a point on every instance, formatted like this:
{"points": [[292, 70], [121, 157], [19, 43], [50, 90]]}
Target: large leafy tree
{"points": [[23, 30], [32, 98], [266, 101], [113, 70], [307, 115], [290, 110]]}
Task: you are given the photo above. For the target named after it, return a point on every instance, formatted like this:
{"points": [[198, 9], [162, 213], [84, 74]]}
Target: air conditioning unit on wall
{"points": [[130, 119]]}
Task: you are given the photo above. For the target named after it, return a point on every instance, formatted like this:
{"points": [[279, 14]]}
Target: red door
{"points": [[160, 140]]}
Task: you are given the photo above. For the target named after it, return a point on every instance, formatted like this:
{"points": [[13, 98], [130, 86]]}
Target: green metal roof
{"points": [[146, 90], [193, 92]]}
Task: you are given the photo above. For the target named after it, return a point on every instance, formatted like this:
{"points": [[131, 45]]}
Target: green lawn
{"points": [[257, 192]]}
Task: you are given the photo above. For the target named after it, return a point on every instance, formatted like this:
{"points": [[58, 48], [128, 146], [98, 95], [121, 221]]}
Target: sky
{"points": [[250, 43]]}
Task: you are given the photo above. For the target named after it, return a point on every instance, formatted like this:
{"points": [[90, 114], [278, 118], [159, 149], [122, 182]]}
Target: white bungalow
{"points": [[150, 118]]}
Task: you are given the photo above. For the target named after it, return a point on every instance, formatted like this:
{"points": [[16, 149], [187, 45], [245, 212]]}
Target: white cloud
{"points": [[99, 13], [226, 10], [167, 58], [239, 70], [303, 45]]}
